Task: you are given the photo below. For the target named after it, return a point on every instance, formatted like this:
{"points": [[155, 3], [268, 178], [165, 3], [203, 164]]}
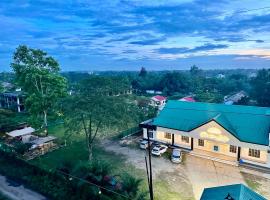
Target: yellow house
{"points": [[229, 133]]}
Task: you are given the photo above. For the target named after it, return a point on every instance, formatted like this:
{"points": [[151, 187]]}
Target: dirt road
{"points": [[16, 191]]}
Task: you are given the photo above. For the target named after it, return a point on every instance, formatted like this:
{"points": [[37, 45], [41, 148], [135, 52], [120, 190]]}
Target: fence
{"points": [[129, 132]]}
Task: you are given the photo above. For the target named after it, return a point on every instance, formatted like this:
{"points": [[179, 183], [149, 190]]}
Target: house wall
{"points": [[178, 141], [209, 146], [262, 159], [160, 136]]}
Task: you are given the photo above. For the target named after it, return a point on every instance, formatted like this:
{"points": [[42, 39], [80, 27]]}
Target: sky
{"points": [[129, 34]]}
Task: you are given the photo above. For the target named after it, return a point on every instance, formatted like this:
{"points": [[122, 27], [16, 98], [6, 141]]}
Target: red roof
{"points": [[189, 99], [159, 98]]}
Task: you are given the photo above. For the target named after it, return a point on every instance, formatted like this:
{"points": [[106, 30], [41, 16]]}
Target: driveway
{"points": [[205, 173], [16, 191], [188, 179]]}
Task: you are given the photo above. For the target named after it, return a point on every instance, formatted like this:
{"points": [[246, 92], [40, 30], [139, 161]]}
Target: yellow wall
{"points": [[209, 146], [160, 137], [262, 159], [178, 141]]}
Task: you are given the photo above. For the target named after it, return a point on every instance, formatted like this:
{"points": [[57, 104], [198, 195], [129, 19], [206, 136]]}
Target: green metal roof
{"points": [[237, 192], [247, 123]]}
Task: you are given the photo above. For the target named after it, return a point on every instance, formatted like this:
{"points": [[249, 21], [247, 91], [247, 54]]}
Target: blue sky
{"points": [[128, 34]]}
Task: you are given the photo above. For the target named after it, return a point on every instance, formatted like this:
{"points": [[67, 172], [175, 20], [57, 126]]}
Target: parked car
{"points": [[144, 144], [176, 156], [159, 149]]}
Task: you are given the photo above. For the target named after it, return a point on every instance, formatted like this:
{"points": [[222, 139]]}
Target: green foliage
{"points": [[261, 87], [38, 75], [21, 148], [96, 106]]}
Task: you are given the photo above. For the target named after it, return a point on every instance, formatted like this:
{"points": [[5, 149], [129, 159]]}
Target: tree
{"points": [[38, 75], [1, 87], [93, 109], [174, 82], [261, 87], [143, 72], [195, 71]]}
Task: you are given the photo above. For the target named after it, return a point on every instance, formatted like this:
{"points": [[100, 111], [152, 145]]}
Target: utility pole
{"points": [[150, 168]]}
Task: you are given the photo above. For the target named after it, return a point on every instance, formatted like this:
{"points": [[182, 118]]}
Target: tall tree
{"points": [[94, 107], [143, 72], [261, 87], [38, 75]]}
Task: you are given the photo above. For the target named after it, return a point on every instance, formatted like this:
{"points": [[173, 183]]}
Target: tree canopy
{"points": [[38, 75]]}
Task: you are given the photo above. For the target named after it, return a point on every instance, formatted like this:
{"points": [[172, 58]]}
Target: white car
{"points": [[159, 149], [144, 144], [176, 156]]}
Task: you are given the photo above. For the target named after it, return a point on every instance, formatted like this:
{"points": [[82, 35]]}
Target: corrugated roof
{"points": [[247, 123], [237, 192], [21, 132]]}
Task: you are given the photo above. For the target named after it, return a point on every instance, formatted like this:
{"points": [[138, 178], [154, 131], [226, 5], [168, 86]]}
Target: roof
{"points": [[237, 192], [158, 98], [189, 99], [186, 116], [42, 140], [21, 132]]}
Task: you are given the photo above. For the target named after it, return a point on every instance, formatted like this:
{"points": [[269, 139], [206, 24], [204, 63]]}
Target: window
{"points": [[254, 153], [201, 143], [150, 132], [216, 148], [233, 149], [185, 139], [168, 136]]}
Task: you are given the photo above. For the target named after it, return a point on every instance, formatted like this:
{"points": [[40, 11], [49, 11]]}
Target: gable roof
{"points": [[158, 98], [237, 192], [247, 123]]}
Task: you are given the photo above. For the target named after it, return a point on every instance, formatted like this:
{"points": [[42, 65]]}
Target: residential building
{"points": [[230, 192], [232, 134], [12, 100], [158, 101], [232, 99], [188, 99]]}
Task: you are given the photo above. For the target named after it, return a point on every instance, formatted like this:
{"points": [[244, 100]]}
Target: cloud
{"points": [[205, 47]]}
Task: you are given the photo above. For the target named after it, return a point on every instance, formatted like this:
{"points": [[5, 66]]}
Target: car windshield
{"points": [[156, 150], [175, 156]]}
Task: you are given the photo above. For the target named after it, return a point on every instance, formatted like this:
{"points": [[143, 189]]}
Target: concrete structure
{"points": [[12, 100], [226, 133]]}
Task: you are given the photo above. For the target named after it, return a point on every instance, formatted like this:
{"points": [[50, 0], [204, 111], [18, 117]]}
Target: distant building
{"points": [[188, 99], [153, 92], [230, 192], [232, 99], [12, 100], [158, 101], [220, 76]]}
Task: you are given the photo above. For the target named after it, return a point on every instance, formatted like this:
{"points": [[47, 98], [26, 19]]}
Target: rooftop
{"points": [[186, 116], [236, 192]]}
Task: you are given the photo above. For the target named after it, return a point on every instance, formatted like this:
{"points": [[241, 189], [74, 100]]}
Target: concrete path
{"points": [[16, 191]]}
